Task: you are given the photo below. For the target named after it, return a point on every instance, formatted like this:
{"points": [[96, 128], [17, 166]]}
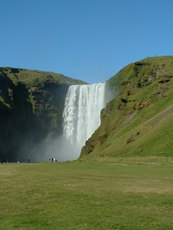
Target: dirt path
{"points": [[159, 117]]}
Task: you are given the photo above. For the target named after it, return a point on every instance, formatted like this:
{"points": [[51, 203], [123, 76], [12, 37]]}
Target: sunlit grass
{"points": [[122, 193]]}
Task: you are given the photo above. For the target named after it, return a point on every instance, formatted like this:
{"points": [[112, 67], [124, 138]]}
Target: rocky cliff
{"points": [[31, 105]]}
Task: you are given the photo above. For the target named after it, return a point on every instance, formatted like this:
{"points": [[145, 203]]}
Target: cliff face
{"points": [[138, 121], [31, 106]]}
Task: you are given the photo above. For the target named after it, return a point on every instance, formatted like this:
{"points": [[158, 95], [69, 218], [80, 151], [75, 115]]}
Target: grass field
{"points": [[119, 193]]}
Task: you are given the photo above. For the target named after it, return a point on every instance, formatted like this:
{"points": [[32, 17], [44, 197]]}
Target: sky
{"points": [[90, 40]]}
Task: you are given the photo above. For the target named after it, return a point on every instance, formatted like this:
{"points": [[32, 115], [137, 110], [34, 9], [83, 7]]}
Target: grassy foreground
{"points": [[122, 193]]}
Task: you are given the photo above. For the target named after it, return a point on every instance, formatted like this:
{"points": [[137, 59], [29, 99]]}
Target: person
{"points": [[29, 160]]}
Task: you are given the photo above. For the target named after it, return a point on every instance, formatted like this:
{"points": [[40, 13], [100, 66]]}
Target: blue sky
{"points": [[86, 39]]}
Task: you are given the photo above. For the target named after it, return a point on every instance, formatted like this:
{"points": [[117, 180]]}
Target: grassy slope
{"points": [[31, 77], [33, 80], [139, 121], [88, 195]]}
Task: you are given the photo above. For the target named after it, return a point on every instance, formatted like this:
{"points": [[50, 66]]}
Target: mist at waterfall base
{"points": [[81, 117], [56, 147]]}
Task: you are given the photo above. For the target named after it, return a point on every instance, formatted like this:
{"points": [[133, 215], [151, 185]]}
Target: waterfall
{"points": [[81, 115]]}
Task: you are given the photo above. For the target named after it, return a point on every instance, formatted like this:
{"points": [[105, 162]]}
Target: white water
{"points": [[81, 116]]}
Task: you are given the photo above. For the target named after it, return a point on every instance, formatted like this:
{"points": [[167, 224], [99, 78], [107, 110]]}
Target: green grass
{"points": [[36, 78], [118, 193]]}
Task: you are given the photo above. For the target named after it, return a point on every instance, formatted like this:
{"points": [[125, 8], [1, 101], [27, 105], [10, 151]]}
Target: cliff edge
{"points": [[139, 120]]}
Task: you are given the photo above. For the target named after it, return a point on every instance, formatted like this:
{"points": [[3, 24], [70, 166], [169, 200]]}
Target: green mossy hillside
{"points": [[139, 121]]}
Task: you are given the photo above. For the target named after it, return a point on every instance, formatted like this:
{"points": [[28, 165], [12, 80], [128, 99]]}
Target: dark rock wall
{"points": [[28, 113]]}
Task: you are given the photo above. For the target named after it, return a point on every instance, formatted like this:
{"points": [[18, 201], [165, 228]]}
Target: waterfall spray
{"points": [[81, 115]]}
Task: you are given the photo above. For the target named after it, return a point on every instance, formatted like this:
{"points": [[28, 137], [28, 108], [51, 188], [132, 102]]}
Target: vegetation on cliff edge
{"points": [[139, 121]]}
